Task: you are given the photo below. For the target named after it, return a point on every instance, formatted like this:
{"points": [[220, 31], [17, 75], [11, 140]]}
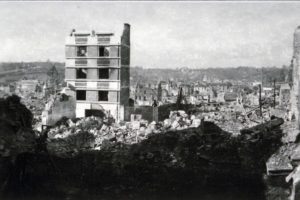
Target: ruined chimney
{"points": [[125, 39], [125, 66], [296, 40]]}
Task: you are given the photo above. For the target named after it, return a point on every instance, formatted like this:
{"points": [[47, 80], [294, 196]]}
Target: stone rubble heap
{"points": [[93, 133]]}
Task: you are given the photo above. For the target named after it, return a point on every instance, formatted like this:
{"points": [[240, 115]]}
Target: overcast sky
{"points": [[163, 34]]}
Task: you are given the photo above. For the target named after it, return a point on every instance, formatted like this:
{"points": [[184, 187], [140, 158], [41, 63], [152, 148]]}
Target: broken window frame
{"points": [[103, 51], [103, 96], [79, 53], [82, 96], [100, 75], [82, 73]]}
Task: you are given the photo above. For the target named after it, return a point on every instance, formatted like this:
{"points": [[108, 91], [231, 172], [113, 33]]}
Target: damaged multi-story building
{"points": [[98, 70]]}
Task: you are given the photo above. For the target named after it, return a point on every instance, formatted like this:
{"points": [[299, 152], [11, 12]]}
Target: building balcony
{"points": [[98, 102], [81, 62], [100, 84], [93, 62], [88, 40]]}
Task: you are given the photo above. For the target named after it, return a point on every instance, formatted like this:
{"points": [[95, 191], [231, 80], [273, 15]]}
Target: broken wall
{"points": [[58, 107], [148, 113]]}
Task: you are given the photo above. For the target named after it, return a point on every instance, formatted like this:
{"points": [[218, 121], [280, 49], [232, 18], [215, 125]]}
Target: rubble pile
{"points": [[35, 102], [174, 160], [96, 131], [179, 120], [280, 161], [179, 153]]}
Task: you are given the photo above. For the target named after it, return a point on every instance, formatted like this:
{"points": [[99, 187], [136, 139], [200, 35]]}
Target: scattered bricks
{"points": [[167, 123], [152, 125], [127, 133], [149, 131], [136, 125], [188, 122], [175, 125], [142, 131], [70, 123], [181, 113], [193, 117], [196, 122]]}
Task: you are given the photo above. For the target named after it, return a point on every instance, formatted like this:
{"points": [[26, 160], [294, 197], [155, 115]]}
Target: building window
{"points": [[103, 51], [145, 98], [81, 73], [104, 73], [103, 95], [81, 51], [81, 95]]}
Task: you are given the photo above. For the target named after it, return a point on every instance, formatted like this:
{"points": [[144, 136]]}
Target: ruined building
{"points": [[99, 71], [296, 74]]}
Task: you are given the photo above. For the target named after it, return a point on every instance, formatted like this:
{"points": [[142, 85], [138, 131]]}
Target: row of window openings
{"points": [[102, 51], [140, 98], [81, 73], [81, 95]]}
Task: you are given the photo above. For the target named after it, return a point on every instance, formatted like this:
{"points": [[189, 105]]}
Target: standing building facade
{"points": [[99, 72]]}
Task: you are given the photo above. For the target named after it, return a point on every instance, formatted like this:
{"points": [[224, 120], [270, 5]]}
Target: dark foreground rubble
{"points": [[174, 161], [177, 161]]}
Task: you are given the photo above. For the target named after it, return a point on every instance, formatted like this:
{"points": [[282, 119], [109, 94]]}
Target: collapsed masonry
{"points": [[59, 106], [161, 152], [72, 136]]}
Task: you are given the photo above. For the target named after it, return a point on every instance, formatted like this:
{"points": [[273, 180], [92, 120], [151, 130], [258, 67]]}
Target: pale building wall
{"points": [[113, 109], [80, 109], [92, 95], [70, 73], [92, 51], [56, 109], [114, 74], [113, 96], [92, 73], [118, 59]]}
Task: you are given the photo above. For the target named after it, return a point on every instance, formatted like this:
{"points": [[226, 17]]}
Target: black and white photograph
{"points": [[149, 100]]}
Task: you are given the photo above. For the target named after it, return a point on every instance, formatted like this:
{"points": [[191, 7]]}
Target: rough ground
{"points": [[174, 161]]}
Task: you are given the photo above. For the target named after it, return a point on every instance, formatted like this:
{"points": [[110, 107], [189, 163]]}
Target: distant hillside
{"points": [[10, 72], [37, 70], [192, 75]]}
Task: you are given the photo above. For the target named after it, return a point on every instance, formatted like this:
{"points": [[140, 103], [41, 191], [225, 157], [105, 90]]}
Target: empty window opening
{"points": [[96, 113], [81, 51], [103, 96], [103, 52], [81, 95], [81, 73], [104, 73]]}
